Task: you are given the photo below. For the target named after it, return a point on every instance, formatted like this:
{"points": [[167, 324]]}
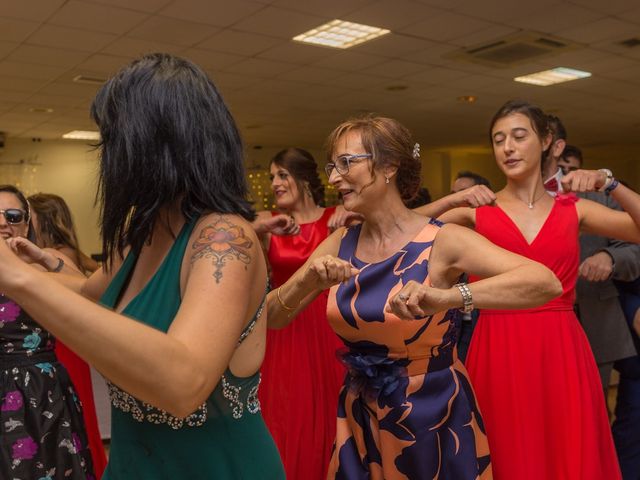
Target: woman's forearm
{"points": [[527, 286], [159, 370], [287, 301]]}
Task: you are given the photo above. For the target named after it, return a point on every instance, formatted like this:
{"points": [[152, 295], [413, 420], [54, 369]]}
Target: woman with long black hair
{"points": [[180, 334]]}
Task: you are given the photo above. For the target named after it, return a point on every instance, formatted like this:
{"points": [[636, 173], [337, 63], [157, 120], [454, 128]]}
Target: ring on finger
{"points": [[403, 297]]}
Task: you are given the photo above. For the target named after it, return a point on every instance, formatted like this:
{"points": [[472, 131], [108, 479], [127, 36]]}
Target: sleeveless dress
{"points": [[301, 375], [533, 370], [407, 410], [225, 438], [42, 433], [80, 374]]}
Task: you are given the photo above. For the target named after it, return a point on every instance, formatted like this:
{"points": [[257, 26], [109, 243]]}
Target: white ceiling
{"points": [[283, 93]]}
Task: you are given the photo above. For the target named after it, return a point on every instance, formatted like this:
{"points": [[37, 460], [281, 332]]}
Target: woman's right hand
{"points": [[281, 225], [29, 252], [342, 218], [474, 197], [327, 271]]}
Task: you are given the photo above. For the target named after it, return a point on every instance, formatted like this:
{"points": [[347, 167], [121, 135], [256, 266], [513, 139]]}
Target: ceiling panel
{"points": [[13, 30], [323, 8], [171, 30], [150, 6], [220, 13], [284, 92], [70, 38], [240, 43], [55, 57], [96, 17], [279, 22], [133, 47]]}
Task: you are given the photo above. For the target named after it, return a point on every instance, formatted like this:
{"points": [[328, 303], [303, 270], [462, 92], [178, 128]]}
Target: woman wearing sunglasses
{"points": [[42, 434], [407, 409]]}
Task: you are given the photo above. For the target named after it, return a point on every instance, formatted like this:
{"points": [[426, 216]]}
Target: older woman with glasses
{"points": [[407, 409], [42, 434]]}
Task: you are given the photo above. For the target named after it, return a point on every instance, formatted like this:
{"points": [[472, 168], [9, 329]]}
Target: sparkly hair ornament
{"points": [[416, 151]]}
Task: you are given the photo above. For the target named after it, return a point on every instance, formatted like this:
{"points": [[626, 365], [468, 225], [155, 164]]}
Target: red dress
{"points": [[80, 374], [533, 371], [301, 375]]}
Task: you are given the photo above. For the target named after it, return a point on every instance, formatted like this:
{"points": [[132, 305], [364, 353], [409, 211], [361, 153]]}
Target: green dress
{"points": [[226, 438]]}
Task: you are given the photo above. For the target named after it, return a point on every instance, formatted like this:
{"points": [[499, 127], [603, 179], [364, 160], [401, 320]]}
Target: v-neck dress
{"points": [[533, 370], [301, 375], [225, 438], [407, 409]]}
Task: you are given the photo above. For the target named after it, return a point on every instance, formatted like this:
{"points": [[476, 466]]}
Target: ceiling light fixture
{"points": [[41, 110], [553, 76], [467, 98], [340, 34], [82, 135]]}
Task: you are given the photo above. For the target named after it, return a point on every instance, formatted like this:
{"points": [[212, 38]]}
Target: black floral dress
{"points": [[42, 435]]}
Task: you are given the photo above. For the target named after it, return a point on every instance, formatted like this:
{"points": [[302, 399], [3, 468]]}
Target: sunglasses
{"points": [[14, 216], [343, 162]]}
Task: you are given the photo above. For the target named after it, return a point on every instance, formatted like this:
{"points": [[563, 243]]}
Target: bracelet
{"points": [[608, 181], [58, 267], [467, 298], [612, 187], [282, 304]]}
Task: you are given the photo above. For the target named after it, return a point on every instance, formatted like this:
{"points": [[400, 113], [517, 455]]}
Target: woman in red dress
{"points": [[53, 226], [301, 375], [533, 371]]}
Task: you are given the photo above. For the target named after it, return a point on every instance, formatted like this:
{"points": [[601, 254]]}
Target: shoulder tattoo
{"points": [[222, 241]]}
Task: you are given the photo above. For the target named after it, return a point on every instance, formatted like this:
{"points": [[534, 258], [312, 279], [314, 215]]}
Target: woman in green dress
{"points": [[182, 336]]}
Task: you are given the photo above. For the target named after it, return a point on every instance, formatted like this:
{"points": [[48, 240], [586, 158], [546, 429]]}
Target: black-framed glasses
{"points": [[343, 162], [14, 216]]}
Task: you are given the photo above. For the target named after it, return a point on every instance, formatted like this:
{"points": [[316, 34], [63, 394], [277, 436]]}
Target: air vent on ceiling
{"points": [[514, 49], [630, 42], [89, 80]]}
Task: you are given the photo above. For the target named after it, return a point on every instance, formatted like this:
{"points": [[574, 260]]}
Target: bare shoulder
{"points": [[223, 240]]}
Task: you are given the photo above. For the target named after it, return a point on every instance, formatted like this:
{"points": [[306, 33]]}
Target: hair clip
{"points": [[416, 151]]}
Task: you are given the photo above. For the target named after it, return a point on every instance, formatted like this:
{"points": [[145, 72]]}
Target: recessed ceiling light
{"points": [[340, 34], [82, 135], [467, 98], [553, 76], [41, 110]]}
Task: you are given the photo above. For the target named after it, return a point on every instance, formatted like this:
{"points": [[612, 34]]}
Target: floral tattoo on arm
{"points": [[222, 241]]}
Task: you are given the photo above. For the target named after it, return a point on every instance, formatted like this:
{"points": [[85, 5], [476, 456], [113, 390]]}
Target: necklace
{"points": [[532, 202]]}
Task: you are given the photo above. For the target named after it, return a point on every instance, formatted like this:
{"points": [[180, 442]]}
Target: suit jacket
{"points": [[600, 312]]}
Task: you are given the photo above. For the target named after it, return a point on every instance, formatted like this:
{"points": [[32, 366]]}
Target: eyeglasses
{"points": [[343, 162], [14, 216]]}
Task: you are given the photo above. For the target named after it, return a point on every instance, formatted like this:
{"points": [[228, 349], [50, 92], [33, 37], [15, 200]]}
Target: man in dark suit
{"points": [[602, 260], [464, 180]]}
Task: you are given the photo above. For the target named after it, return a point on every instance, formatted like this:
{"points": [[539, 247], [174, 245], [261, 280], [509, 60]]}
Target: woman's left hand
{"points": [[417, 300], [583, 181]]}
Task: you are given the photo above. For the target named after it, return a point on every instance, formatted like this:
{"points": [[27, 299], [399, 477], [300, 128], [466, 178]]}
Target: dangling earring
{"points": [[386, 179]]}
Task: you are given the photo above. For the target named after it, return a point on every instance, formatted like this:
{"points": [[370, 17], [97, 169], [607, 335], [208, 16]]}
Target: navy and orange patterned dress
{"points": [[407, 409]]}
